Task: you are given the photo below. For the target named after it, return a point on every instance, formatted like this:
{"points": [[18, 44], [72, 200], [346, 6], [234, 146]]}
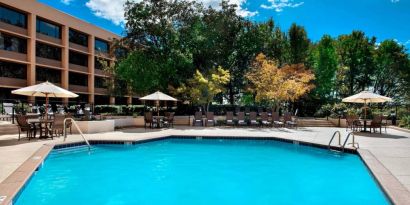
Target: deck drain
{"points": [[2, 198], [36, 158]]}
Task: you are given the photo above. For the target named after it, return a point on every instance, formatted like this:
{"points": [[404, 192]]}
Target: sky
{"points": [[384, 19]]}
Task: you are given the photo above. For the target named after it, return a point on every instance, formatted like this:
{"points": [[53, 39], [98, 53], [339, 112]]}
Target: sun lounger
{"points": [[198, 119], [252, 119], [276, 120], [241, 118], [210, 121], [265, 119], [229, 118]]}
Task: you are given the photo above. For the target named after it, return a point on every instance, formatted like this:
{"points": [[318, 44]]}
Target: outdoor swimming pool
{"points": [[206, 171]]}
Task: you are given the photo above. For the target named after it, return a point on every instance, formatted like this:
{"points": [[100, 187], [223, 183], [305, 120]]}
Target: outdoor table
{"points": [[159, 120], [365, 124], [43, 124]]}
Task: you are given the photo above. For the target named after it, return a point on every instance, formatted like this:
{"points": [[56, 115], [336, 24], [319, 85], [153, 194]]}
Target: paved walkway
{"points": [[391, 149]]}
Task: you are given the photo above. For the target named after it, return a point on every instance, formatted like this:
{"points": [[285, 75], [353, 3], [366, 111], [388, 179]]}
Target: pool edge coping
{"points": [[13, 185]]}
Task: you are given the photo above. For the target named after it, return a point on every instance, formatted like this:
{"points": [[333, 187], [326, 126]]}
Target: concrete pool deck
{"points": [[387, 154]]}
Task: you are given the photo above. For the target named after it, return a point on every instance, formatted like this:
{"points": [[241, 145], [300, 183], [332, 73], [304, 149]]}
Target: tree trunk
{"points": [[231, 97]]}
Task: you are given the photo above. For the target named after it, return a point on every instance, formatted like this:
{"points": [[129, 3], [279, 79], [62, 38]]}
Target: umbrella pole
{"points": [[46, 106], [158, 108]]}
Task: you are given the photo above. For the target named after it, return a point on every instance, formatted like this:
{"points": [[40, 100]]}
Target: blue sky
{"points": [[385, 19]]}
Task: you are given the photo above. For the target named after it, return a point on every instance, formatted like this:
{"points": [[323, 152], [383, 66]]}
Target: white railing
{"points": [[78, 128]]}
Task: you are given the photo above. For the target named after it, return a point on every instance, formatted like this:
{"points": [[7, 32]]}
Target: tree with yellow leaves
{"points": [[201, 89], [271, 83]]}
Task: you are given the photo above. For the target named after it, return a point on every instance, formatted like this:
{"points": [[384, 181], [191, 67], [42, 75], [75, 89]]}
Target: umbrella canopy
{"points": [[367, 97], [45, 89], [158, 96]]}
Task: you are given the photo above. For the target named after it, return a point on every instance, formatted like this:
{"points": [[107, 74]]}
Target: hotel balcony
{"points": [[12, 82]]}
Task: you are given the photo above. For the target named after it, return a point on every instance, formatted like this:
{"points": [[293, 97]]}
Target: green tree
{"points": [[391, 69], [356, 61], [201, 89], [298, 44], [325, 64]]}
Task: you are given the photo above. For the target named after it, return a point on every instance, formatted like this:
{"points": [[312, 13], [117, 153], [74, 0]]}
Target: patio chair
{"points": [[57, 127], [260, 110], [289, 121], [357, 124], [229, 118], [198, 119], [237, 110], [276, 120], [148, 120], [169, 119], [376, 123], [247, 110], [269, 111], [241, 118], [24, 126], [210, 120], [252, 119], [265, 119], [384, 123], [350, 122]]}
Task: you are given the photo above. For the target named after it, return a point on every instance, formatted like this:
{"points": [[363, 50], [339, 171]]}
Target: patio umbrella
{"points": [[158, 96], [46, 90], [365, 97]]}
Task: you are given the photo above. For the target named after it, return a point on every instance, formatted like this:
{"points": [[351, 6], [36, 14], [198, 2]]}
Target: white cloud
{"points": [[114, 10], [66, 2], [279, 5]]}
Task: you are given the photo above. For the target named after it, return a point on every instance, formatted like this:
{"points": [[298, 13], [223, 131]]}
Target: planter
{"points": [[89, 127]]}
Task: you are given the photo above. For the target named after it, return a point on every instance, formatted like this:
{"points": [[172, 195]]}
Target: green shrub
{"points": [[405, 122]]}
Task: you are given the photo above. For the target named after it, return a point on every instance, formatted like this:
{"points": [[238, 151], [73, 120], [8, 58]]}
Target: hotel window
{"points": [[47, 74], [48, 28], [47, 51], [13, 70], [78, 38], [100, 82], [12, 43], [101, 46], [98, 63], [13, 17], [78, 79], [78, 58]]}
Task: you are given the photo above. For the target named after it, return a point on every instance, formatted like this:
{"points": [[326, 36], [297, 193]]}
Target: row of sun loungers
{"points": [[252, 120]]}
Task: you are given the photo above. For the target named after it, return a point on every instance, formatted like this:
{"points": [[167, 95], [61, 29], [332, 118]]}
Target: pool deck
{"points": [[387, 155]]}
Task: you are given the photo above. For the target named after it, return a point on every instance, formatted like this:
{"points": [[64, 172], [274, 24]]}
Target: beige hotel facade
{"points": [[39, 43]]}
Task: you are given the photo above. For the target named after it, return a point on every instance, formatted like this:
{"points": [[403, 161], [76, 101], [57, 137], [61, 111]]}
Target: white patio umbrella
{"points": [[158, 96], [46, 90], [365, 97]]}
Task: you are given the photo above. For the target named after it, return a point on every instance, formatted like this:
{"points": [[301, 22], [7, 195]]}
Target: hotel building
{"points": [[39, 43]]}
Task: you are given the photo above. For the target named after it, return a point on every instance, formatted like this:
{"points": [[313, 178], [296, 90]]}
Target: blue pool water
{"points": [[202, 172]]}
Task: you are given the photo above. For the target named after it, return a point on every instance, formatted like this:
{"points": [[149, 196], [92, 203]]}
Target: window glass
{"points": [[78, 38], [48, 28], [47, 74], [100, 82], [12, 43], [78, 58], [78, 79], [101, 46], [13, 70], [13, 17], [47, 51]]}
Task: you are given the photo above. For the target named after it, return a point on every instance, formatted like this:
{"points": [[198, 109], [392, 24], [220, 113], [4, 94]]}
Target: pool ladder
{"points": [[79, 130], [339, 136]]}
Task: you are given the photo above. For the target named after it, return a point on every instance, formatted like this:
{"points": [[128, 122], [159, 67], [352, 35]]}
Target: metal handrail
{"points": [[334, 134], [79, 130], [353, 143]]}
